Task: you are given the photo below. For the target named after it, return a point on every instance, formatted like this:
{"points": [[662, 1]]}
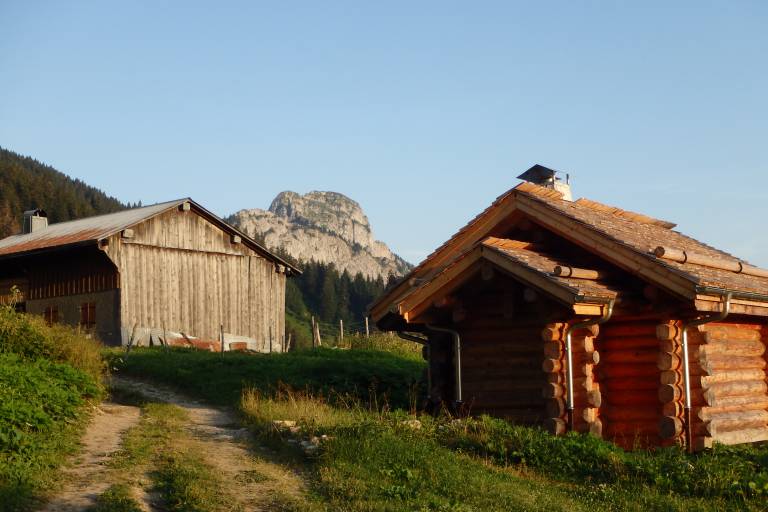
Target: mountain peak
{"points": [[324, 226]]}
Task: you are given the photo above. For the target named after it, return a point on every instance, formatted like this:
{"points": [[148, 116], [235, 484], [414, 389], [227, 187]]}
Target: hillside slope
{"points": [[325, 227], [26, 183]]}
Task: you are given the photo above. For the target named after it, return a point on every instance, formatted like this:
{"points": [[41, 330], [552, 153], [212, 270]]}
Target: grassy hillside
{"points": [[347, 417], [47, 377], [26, 183]]}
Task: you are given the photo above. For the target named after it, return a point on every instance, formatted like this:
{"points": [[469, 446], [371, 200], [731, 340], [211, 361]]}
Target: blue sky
{"points": [[423, 112]]}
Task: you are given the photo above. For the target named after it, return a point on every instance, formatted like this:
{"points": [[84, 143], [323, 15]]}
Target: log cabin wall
{"points": [[586, 391], [628, 380], [728, 385], [729, 395], [501, 369], [182, 273]]}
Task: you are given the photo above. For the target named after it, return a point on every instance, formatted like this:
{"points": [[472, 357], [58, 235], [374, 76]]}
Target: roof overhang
{"points": [[415, 304]]}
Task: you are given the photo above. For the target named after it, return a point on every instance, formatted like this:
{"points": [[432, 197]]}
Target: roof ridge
{"points": [[625, 214], [537, 190]]}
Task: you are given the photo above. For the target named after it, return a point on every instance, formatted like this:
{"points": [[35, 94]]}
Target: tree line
{"points": [[26, 183]]}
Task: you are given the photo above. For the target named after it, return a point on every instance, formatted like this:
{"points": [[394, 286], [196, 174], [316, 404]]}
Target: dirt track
{"points": [[217, 436]]}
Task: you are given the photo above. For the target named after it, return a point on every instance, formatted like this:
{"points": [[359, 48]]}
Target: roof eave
{"points": [[45, 250]]}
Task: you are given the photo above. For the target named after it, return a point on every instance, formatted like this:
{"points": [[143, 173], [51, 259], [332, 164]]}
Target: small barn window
{"points": [[51, 315], [88, 315]]}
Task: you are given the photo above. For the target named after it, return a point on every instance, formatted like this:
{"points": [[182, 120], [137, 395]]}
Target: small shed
{"points": [[171, 272], [576, 315]]}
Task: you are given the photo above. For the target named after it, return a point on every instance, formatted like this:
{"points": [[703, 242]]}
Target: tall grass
{"points": [[31, 338]]}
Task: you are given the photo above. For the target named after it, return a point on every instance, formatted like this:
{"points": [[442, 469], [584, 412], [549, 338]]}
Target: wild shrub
{"points": [[31, 338]]}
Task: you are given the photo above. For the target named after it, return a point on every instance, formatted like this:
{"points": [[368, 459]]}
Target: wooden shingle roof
{"points": [[620, 237], [643, 234]]}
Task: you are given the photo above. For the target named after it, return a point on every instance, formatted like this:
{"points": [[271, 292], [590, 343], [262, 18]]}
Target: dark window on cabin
{"points": [[88, 315], [51, 315]]}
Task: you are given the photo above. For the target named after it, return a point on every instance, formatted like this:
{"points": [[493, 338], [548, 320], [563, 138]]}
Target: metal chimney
{"points": [[35, 220], [549, 178]]}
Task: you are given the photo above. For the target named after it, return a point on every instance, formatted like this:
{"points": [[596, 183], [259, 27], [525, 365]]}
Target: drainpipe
{"points": [[607, 312], [425, 343], [456, 358], [724, 311]]}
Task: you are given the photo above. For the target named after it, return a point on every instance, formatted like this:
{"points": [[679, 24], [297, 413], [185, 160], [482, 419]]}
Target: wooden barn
{"points": [[576, 315], [169, 272]]}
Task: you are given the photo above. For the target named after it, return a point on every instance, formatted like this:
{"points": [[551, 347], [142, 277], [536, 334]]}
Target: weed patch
{"points": [[116, 499]]}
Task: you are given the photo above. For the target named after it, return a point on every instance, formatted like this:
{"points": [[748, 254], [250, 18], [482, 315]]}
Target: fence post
{"points": [[341, 330], [221, 337], [314, 338], [367, 332]]}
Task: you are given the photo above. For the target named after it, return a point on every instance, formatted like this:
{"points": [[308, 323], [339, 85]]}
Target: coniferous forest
{"points": [[26, 183]]}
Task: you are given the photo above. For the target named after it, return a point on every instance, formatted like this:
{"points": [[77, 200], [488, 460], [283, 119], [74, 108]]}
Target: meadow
{"points": [[356, 430]]}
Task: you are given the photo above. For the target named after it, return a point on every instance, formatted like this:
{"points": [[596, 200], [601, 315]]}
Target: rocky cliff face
{"points": [[327, 227]]}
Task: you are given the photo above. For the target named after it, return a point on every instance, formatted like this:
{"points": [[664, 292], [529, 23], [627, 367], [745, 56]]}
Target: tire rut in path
{"points": [[84, 478]]}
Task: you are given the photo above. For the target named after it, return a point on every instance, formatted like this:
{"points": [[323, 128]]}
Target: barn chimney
{"points": [[549, 178], [35, 220]]}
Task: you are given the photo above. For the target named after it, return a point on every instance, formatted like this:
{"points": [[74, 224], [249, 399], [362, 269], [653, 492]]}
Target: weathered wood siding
{"points": [[182, 273]]}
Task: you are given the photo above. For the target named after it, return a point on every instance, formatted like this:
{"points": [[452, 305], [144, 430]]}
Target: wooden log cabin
{"points": [[172, 272], [575, 315]]}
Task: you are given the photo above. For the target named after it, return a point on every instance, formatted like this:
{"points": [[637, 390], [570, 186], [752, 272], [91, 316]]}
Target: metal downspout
{"points": [[456, 359], [726, 309], [425, 343], [569, 356]]}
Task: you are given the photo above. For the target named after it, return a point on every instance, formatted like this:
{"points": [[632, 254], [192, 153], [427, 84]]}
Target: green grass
{"points": [[374, 461], [48, 376], [728, 472], [367, 374], [116, 499]]}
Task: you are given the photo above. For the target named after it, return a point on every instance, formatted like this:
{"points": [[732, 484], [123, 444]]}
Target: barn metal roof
{"points": [[93, 229], [89, 229]]}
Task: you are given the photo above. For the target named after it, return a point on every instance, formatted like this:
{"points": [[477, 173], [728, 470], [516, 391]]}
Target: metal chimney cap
{"points": [[538, 174], [36, 212]]}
